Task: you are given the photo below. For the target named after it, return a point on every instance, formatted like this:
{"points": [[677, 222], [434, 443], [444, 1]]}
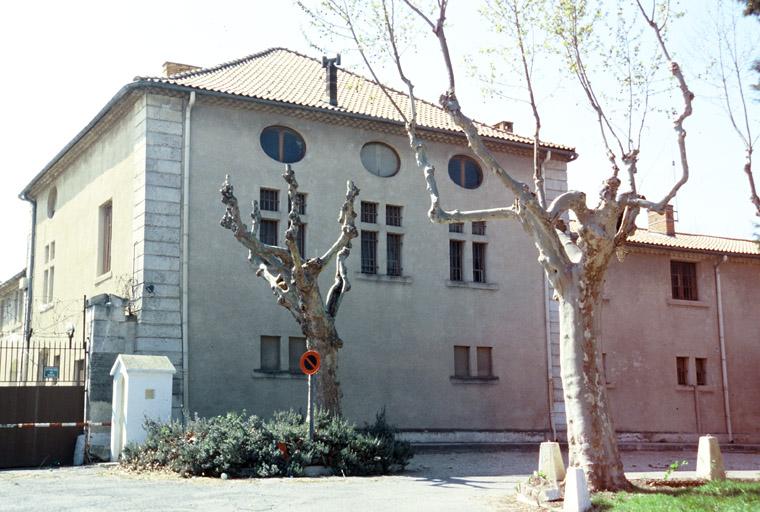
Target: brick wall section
{"points": [[157, 230], [556, 184]]}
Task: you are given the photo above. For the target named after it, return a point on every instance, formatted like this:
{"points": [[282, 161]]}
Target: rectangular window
{"points": [[394, 242], [79, 371], [479, 227], [682, 370], [20, 306], [683, 277], [701, 368], [2, 313], [268, 232], [369, 212], [301, 240], [461, 361], [296, 348], [604, 368], [456, 256], [270, 353], [485, 364], [48, 277], [269, 199], [369, 252], [456, 227], [392, 215], [479, 262], [104, 237], [300, 203]]}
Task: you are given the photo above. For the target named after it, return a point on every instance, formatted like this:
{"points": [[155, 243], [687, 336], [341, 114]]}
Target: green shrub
{"points": [[241, 445]]}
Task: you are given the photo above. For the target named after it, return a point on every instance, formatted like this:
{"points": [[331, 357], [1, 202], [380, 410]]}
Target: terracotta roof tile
{"points": [[696, 242], [286, 76]]}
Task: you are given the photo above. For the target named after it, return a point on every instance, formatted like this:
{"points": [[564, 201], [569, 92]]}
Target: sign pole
{"points": [[311, 407]]}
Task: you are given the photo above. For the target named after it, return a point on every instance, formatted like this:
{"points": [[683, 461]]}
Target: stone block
{"points": [[158, 234], [166, 194], [163, 152], [166, 277], [163, 207], [164, 113], [709, 459], [169, 102], [168, 127], [163, 179], [550, 461], [160, 248], [577, 498], [165, 139], [167, 166], [161, 346], [155, 262]]}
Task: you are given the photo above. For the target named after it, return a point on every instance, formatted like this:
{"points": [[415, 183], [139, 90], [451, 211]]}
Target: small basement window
{"points": [[270, 353]]}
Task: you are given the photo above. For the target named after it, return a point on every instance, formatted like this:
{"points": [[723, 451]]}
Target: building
{"points": [[450, 328], [11, 325], [681, 335]]}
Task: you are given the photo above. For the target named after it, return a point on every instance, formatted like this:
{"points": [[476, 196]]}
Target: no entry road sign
{"points": [[310, 361]]}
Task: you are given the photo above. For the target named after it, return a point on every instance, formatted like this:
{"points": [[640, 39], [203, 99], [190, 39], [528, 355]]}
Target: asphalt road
{"points": [[441, 482]]}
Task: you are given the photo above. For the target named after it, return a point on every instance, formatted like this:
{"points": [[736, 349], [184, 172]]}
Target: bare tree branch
{"points": [[347, 225], [688, 97]]}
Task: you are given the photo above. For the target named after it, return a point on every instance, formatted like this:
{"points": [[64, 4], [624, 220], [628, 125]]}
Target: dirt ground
{"points": [[466, 481]]}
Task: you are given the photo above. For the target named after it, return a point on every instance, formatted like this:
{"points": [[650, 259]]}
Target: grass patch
{"points": [[682, 495]]}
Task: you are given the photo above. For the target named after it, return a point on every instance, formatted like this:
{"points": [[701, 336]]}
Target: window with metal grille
{"points": [[456, 256], [268, 232], [485, 363], [301, 240], [394, 242], [456, 227], [369, 212], [300, 203], [701, 368], [604, 368], [270, 353], [682, 370], [479, 227], [369, 252], [104, 237], [392, 215], [461, 361], [296, 348], [269, 199], [683, 278], [479, 262]]}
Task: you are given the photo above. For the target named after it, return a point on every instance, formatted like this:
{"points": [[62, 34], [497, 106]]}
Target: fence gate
{"points": [[41, 386]]}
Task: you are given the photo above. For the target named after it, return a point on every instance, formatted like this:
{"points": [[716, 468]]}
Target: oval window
{"points": [[282, 144], [380, 159], [465, 171], [52, 200]]}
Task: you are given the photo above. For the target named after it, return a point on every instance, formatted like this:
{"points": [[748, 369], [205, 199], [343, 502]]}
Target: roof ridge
{"points": [[701, 234], [223, 65]]}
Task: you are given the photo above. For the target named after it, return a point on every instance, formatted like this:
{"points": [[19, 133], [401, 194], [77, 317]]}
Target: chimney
{"points": [[331, 79], [173, 68], [662, 223], [506, 126]]}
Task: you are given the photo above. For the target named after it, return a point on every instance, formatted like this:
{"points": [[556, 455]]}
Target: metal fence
{"points": [[42, 362]]}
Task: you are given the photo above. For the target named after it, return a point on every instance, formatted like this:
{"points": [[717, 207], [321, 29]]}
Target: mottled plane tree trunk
{"points": [[574, 256], [294, 280]]}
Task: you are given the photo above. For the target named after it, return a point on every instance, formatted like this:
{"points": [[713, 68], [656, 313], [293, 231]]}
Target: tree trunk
{"points": [[328, 387], [590, 432]]}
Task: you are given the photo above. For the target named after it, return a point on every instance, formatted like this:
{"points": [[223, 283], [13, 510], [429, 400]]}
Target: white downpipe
{"points": [[550, 376], [185, 237], [722, 338]]}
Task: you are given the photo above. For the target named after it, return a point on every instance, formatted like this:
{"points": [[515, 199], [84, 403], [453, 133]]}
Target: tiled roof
{"points": [[687, 241], [282, 75]]}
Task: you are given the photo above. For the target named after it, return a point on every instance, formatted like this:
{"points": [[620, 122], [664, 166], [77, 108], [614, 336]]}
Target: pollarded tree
{"points": [[574, 256], [295, 281]]}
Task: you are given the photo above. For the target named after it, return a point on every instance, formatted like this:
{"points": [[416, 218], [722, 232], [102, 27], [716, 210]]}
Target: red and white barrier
{"points": [[80, 424]]}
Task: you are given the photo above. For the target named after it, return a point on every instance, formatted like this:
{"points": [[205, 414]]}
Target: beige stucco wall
{"points": [[399, 337], [102, 172], [644, 330]]}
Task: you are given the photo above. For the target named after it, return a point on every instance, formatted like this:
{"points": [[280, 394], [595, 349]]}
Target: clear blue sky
{"points": [[63, 61]]}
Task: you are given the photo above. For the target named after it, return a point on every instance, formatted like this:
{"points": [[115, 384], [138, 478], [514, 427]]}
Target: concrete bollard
{"points": [[550, 461], [577, 498], [709, 459]]}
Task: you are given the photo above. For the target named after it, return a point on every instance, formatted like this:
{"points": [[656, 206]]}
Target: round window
{"points": [[283, 144], [380, 159], [52, 200], [465, 171]]}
